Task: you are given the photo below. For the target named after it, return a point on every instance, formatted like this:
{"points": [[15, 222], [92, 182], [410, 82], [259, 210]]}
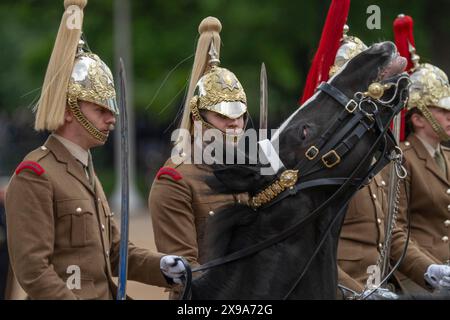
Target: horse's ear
{"points": [[239, 178]]}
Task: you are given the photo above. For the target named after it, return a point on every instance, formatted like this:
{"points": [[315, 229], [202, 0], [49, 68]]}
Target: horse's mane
{"points": [[232, 222]]}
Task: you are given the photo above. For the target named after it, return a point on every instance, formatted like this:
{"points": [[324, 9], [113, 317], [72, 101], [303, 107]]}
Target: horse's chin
{"points": [[396, 65]]}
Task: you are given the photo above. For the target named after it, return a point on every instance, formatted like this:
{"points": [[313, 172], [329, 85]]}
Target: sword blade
{"points": [[263, 103], [125, 206]]}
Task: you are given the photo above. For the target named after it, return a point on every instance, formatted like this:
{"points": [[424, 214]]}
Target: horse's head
{"points": [[374, 83], [377, 64]]}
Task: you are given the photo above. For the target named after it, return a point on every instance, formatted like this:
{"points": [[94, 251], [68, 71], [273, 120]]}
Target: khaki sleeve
{"points": [[345, 280], [170, 204], [30, 227], [143, 265], [416, 261]]}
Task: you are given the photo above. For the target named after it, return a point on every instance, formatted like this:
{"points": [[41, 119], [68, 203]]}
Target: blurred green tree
{"points": [[283, 33]]}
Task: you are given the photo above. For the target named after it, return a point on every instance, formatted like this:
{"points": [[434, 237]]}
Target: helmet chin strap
{"points": [[85, 123], [437, 128]]}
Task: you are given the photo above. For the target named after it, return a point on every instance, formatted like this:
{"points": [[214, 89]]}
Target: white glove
{"points": [[380, 294], [438, 276], [172, 268]]}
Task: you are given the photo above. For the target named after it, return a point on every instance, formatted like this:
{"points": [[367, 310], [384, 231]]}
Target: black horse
{"points": [[286, 248]]}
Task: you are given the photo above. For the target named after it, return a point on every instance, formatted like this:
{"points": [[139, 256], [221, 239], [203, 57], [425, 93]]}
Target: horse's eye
{"points": [[304, 132]]}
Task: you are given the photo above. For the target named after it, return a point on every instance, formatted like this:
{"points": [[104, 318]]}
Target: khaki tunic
{"points": [[428, 190], [180, 209], [56, 221], [362, 234]]}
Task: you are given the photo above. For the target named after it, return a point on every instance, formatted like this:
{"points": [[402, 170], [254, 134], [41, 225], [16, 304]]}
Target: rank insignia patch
{"points": [[170, 172], [33, 166]]}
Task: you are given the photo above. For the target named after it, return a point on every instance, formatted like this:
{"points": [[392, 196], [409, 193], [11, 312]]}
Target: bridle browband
{"points": [[329, 150]]}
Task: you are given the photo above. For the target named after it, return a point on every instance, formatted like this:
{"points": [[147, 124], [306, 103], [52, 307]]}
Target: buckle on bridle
{"points": [[312, 152], [330, 159], [351, 106]]}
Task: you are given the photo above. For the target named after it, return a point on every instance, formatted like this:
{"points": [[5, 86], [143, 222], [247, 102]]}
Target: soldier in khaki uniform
{"points": [[62, 239], [427, 185], [362, 235], [180, 200]]}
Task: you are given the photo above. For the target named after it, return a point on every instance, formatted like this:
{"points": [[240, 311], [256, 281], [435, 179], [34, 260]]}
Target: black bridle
{"points": [[332, 146]]}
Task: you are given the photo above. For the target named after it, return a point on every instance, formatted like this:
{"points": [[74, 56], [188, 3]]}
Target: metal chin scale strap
{"points": [[85, 123]]}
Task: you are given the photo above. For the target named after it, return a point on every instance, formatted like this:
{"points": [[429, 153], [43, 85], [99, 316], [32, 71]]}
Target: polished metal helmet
{"points": [[350, 47], [219, 91], [92, 81], [429, 88]]}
